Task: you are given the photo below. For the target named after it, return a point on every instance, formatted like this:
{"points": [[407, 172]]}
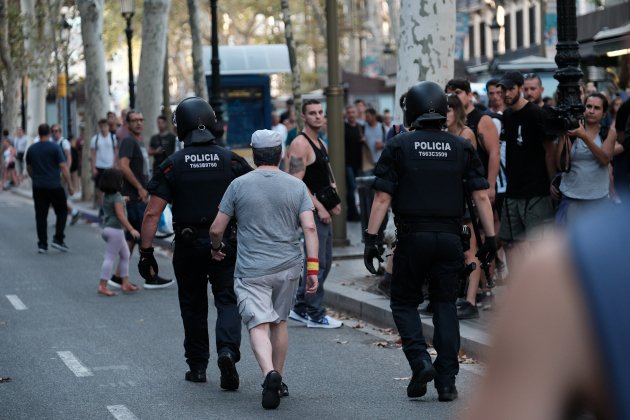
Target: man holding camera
{"points": [[529, 164]]}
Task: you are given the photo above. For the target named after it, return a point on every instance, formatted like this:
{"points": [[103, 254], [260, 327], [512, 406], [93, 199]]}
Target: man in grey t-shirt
{"points": [[270, 207]]}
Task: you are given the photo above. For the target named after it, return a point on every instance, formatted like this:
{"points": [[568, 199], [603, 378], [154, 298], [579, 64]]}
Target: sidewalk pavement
{"points": [[350, 288]]}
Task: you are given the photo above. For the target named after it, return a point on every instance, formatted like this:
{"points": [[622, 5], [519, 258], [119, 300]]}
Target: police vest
{"points": [[430, 166], [200, 175]]}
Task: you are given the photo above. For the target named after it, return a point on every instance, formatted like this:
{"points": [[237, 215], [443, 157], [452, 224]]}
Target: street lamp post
{"points": [[215, 82], [570, 108], [128, 8], [495, 32], [334, 111]]}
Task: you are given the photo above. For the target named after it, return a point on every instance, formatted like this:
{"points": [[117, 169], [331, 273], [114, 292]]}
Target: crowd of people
{"points": [[518, 173]]}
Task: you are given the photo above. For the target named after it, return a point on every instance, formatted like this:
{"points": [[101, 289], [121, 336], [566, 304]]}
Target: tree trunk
{"points": [[37, 44], [425, 44], [394, 21], [154, 28], [12, 81], [295, 69], [318, 14], [199, 77], [375, 42], [96, 88]]}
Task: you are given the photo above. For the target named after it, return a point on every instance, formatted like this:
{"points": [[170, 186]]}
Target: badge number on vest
{"points": [[203, 161], [433, 149]]}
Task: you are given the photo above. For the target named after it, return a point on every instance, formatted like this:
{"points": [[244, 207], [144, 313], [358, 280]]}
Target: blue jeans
{"points": [[312, 304]]}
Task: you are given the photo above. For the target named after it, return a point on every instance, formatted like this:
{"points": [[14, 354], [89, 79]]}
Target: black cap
{"points": [[511, 79]]}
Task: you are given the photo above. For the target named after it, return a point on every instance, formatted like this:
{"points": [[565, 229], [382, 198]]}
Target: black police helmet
{"points": [[194, 118], [425, 102]]}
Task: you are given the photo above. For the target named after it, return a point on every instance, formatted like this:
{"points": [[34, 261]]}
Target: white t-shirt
{"points": [[105, 152], [282, 129], [21, 143]]}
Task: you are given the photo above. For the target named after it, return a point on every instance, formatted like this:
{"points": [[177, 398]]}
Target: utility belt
{"points": [[187, 232], [405, 227]]}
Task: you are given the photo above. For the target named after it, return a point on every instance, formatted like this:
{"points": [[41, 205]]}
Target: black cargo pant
{"points": [[194, 267], [438, 257]]}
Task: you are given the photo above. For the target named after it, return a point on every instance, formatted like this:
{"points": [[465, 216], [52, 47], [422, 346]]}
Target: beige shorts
{"points": [[268, 298]]}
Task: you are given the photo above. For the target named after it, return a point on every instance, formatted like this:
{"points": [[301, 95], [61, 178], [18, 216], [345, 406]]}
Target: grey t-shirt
{"points": [[109, 210], [267, 205]]}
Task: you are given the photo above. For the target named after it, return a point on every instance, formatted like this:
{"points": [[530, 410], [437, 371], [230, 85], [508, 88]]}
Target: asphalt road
{"points": [[72, 354]]}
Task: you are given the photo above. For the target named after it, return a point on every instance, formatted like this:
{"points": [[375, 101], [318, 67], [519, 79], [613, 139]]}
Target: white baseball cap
{"points": [[265, 138]]}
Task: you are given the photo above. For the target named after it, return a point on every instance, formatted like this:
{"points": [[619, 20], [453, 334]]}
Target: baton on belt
{"points": [[485, 266]]}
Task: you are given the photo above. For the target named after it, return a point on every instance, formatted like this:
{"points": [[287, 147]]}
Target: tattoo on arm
{"points": [[295, 165]]}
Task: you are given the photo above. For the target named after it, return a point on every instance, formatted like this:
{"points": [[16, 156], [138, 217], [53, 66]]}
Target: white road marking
{"points": [[120, 412], [16, 302], [74, 364], [111, 367]]}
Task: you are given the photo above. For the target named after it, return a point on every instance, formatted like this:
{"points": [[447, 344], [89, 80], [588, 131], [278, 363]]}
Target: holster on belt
{"points": [[187, 234]]}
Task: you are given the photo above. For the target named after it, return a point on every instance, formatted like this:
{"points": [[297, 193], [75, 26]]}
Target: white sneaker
{"points": [[325, 322], [303, 318]]}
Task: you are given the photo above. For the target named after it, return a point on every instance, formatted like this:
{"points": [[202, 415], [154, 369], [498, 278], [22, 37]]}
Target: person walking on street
{"points": [[21, 144], [269, 257], [44, 160], [133, 161], [309, 161], [66, 147], [104, 155], [424, 175], [114, 223], [162, 144], [193, 180]]}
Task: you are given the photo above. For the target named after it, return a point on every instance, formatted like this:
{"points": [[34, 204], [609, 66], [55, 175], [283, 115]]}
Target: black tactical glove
{"points": [[370, 252], [488, 250], [146, 263]]}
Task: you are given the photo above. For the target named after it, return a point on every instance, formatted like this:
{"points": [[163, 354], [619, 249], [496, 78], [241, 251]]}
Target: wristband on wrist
{"points": [[217, 248], [312, 266]]}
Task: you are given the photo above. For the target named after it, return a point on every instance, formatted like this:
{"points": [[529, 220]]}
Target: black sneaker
{"points": [[229, 375], [421, 375], [42, 249], [271, 390], [447, 393], [158, 282], [115, 281], [60, 245], [467, 311], [196, 375], [284, 390]]}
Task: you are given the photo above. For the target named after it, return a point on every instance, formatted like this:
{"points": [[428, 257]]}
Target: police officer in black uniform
{"points": [[423, 174], [194, 180]]}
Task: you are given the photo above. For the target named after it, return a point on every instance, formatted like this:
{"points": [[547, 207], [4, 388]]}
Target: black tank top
{"points": [[472, 121], [316, 175]]}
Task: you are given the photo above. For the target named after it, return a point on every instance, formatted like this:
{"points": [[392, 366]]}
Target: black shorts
{"points": [[497, 206]]}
